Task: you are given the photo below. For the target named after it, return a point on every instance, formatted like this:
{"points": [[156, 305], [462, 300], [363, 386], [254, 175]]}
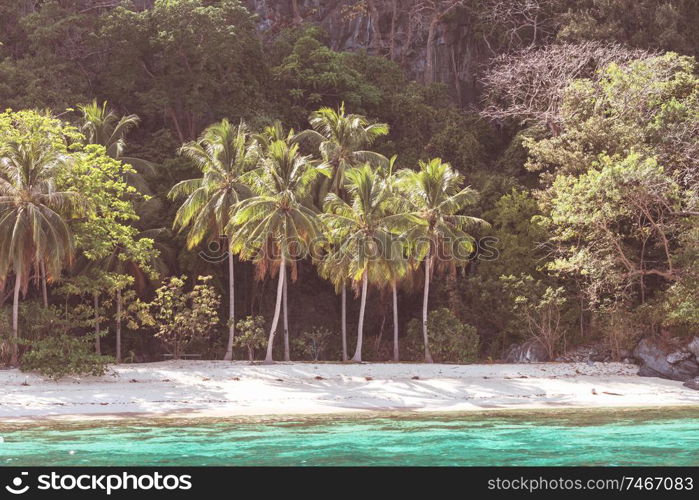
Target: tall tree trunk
{"points": [[231, 308], [428, 356], [360, 328], [430, 51], [96, 303], [392, 46], [287, 352], [376, 32], [344, 322], [280, 292], [15, 319], [44, 292], [298, 19], [118, 327], [396, 352]]}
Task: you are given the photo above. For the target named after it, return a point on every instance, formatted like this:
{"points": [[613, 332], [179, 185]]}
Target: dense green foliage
{"points": [[563, 207], [59, 355], [452, 341]]}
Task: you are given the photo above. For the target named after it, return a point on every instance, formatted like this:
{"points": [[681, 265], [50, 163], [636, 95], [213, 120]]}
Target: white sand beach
{"points": [[230, 389]]}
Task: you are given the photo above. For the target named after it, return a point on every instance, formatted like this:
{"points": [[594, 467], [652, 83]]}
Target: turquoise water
{"points": [[611, 437]]}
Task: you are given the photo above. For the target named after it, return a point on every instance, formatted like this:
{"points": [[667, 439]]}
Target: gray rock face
{"points": [[692, 384], [693, 347], [407, 32], [655, 362], [677, 356], [528, 352]]}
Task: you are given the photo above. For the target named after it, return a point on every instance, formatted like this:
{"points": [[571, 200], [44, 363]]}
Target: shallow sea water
{"points": [[533, 438]]}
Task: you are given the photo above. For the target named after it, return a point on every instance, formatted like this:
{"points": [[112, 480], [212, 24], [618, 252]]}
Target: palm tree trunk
{"points": [[231, 308], [428, 356], [44, 292], [360, 329], [277, 307], [96, 301], [15, 319], [118, 327], [287, 352], [344, 322], [396, 352]]}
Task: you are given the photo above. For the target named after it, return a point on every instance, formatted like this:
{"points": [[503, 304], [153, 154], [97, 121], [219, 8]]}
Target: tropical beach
{"points": [[190, 389], [349, 232]]}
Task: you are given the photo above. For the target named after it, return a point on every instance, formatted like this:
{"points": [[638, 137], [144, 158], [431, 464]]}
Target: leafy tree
{"points": [[519, 237], [251, 334], [114, 253], [189, 61], [646, 106], [223, 154], [182, 316], [47, 57], [539, 307], [60, 355], [452, 340], [614, 225], [314, 342], [664, 24], [315, 74]]}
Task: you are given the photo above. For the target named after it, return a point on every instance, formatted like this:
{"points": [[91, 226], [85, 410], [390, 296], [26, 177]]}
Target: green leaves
{"points": [[224, 153], [434, 194], [276, 220], [34, 210], [183, 316]]}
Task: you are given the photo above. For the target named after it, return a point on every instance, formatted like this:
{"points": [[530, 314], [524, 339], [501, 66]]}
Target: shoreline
{"points": [[191, 390]]}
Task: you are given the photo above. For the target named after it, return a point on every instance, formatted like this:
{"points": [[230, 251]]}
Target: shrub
{"points": [[450, 339], [250, 334], [182, 316], [61, 355], [538, 308], [314, 342]]}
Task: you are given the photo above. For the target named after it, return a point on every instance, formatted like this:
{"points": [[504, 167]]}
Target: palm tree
{"points": [[365, 231], [334, 267], [223, 153], [275, 227], [398, 267], [101, 125], [435, 196], [342, 140], [33, 213], [269, 135]]}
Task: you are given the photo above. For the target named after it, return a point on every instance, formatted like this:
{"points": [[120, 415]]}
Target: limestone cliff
{"points": [[434, 41]]}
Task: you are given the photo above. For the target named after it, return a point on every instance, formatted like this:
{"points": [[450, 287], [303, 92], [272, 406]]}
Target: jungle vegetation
{"points": [[174, 182]]}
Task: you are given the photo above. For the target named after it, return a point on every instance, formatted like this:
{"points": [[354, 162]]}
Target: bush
{"points": [[61, 355], [250, 334], [450, 340], [314, 342], [539, 310], [182, 316]]}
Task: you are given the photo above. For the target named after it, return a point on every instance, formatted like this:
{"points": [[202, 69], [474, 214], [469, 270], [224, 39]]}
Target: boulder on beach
{"points": [[664, 360], [692, 383], [528, 352]]}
